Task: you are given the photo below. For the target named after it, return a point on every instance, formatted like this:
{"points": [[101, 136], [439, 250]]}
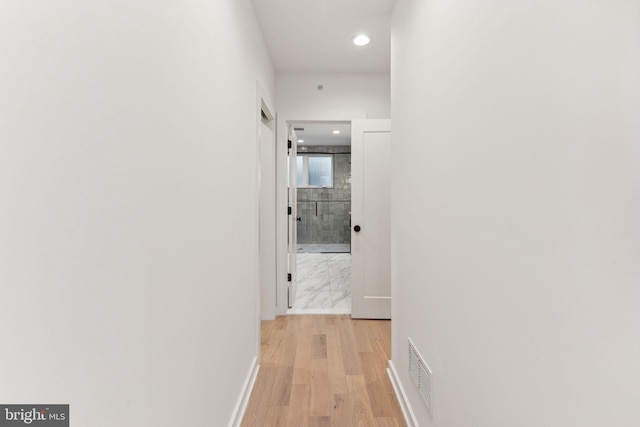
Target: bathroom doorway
{"points": [[323, 217]]}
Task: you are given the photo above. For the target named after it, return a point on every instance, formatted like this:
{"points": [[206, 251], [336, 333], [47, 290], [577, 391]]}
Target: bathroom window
{"points": [[315, 170]]}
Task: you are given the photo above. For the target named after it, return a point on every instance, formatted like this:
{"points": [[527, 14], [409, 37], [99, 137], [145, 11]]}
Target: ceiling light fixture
{"points": [[335, 132], [300, 141], [361, 40]]}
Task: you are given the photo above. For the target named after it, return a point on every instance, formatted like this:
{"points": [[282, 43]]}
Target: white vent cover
{"points": [[420, 374], [414, 364]]}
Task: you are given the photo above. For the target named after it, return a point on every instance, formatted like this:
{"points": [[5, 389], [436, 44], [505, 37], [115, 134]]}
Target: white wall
{"points": [[516, 199], [297, 93], [127, 228]]}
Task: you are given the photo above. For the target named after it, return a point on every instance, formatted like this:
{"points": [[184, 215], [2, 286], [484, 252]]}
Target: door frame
{"points": [[267, 214], [292, 214], [262, 104], [282, 122]]}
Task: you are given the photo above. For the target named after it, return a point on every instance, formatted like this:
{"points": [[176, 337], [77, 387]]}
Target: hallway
{"points": [[324, 370]]}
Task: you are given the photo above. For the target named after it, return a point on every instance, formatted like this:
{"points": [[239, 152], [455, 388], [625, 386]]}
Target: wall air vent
{"points": [[414, 365], [299, 129], [420, 375]]}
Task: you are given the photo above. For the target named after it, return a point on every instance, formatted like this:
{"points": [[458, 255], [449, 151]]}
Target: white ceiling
{"points": [[322, 133], [316, 35]]}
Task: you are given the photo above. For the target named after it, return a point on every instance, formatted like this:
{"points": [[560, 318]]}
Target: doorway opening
{"points": [[370, 256], [322, 196]]}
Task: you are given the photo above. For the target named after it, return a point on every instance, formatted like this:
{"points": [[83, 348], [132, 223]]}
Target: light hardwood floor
{"points": [[324, 370]]}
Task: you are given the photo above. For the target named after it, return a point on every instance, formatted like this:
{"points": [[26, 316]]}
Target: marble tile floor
{"points": [[324, 284], [324, 248]]}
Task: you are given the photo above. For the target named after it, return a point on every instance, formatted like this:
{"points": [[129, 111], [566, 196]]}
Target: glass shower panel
{"points": [[306, 218], [324, 222], [324, 207], [299, 171]]}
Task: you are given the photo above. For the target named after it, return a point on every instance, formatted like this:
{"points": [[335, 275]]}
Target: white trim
{"points": [[319, 311], [243, 400], [407, 411]]}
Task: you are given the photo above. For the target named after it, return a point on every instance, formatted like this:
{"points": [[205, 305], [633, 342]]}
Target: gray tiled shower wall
{"points": [[325, 212]]}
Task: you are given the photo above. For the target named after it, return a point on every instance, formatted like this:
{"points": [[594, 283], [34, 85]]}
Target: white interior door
{"points": [[370, 214], [293, 214]]}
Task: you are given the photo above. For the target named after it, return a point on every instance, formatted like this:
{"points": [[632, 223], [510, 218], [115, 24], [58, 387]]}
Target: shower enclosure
{"points": [[324, 211]]}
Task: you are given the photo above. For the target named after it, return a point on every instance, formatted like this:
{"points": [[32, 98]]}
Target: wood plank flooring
{"points": [[324, 370]]}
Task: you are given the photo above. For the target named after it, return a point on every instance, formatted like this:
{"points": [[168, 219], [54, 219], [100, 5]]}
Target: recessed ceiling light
{"points": [[300, 141], [361, 40], [335, 132]]}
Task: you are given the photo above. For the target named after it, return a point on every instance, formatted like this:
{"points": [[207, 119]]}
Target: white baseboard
{"points": [[243, 400], [408, 413]]}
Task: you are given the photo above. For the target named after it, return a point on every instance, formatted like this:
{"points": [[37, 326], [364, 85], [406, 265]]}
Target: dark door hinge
{"points": [[289, 211], [289, 144], [288, 277]]}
